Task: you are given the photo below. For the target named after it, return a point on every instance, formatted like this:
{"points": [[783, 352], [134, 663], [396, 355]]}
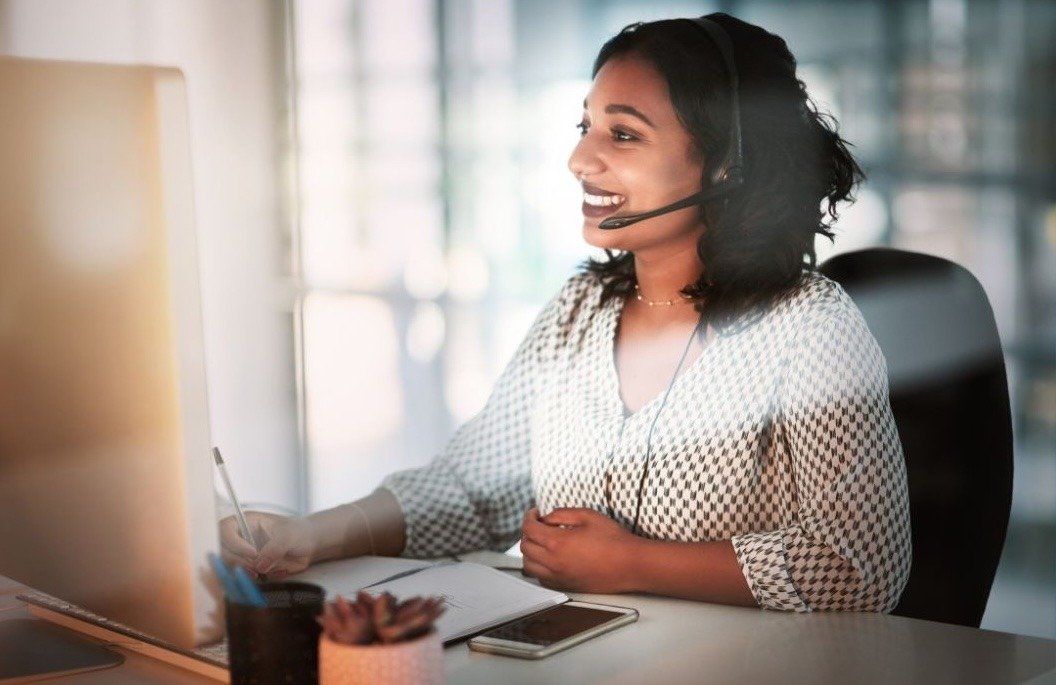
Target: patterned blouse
{"points": [[778, 437]]}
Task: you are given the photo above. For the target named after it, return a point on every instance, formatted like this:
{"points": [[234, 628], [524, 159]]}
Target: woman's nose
{"points": [[584, 160]]}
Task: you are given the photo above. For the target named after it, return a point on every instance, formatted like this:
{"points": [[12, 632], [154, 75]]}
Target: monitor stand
{"points": [[32, 649]]}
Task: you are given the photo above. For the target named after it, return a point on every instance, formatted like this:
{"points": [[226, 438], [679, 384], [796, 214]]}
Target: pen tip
{"points": [[216, 457]]}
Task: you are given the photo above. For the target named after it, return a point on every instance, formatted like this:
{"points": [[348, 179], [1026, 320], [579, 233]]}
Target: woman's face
{"points": [[635, 156]]}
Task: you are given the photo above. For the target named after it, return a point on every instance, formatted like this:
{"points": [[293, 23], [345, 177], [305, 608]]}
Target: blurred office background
{"points": [[383, 204]]}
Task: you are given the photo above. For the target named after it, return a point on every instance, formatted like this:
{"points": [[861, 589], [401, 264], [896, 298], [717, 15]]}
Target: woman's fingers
{"points": [[287, 550], [234, 559], [272, 555], [281, 550], [232, 545], [535, 530], [531, 548], [280, 544], [568, 517], [537, 558], [530, 516], [238, 547]]}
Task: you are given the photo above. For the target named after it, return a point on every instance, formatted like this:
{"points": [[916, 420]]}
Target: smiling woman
{"points": [[702, 410], [798, 167]]}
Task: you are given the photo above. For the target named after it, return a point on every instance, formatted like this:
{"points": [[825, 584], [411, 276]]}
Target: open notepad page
{"points": [[475, 597]]}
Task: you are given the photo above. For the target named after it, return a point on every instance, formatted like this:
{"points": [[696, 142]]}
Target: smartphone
{"points": [[550, 631]]}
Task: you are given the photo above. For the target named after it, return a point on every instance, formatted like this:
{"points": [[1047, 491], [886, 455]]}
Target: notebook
{"points": [[476, 597]]}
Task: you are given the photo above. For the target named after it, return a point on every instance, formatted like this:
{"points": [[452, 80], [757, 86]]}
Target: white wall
{"points": [[230, 53]]}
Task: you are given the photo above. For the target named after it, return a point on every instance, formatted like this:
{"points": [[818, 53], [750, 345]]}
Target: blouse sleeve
{"points": [[473, 495], [847, 542]]}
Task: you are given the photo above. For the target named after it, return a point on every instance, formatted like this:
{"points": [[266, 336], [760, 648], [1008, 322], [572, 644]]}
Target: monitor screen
{"points": [[106, 491]]}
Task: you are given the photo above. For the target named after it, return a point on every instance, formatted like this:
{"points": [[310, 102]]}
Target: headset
{"points": [[728, 175]]}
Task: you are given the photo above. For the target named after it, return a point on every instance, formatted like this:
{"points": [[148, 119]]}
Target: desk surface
{"points": [[677, 641]]}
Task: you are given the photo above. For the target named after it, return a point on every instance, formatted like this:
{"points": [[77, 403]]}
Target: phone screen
{"points": [[553, 625]]}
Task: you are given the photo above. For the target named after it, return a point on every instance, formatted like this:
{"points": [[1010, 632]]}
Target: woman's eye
{"points": [[618, 135]]}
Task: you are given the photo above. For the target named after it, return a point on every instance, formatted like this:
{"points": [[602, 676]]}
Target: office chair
{"points": [[950, 400]]}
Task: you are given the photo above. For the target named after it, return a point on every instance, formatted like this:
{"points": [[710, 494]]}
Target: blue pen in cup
{"points": [[227, 581], [238, 588], [250, 592]]}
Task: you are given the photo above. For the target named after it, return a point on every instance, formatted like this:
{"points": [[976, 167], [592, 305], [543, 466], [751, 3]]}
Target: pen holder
{"points": [[277, 643]]}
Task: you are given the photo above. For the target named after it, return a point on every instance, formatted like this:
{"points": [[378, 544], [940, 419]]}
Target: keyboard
{"points": [[209, 660]]}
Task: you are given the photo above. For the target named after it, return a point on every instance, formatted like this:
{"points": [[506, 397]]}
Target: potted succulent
{"points": [[379, 640]]}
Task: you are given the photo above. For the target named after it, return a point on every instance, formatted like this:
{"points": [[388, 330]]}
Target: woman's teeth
{"points": [[603, 200]]}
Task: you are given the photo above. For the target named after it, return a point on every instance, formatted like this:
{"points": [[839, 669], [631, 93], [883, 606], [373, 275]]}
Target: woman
{"points": [[700, 415]]}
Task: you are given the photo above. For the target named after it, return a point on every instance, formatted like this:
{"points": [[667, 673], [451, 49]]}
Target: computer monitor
{"points": [[106, 482]]}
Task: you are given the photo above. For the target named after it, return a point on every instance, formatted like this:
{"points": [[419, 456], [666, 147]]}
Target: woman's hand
{"points": [[286, 544], [579, 550]]}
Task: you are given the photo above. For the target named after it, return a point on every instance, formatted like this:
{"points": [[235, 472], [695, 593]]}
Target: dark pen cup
{"points": [[279, 643]]}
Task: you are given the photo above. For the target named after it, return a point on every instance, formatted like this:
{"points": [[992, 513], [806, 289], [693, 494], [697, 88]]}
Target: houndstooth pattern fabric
{"points": [[778, 437]]}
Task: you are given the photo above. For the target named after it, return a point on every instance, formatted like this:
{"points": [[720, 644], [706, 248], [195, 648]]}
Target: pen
{"points": [[243, 527], [410, 572]]}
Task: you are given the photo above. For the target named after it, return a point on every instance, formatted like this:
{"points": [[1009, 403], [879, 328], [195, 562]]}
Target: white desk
{"points": [[687, 642], [677, 641]]}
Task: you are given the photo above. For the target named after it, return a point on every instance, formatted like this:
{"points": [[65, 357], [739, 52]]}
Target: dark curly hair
{"points": [[760, 238]]}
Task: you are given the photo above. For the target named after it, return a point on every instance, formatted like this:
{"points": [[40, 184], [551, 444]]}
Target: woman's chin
{"points": [[601, 238]]}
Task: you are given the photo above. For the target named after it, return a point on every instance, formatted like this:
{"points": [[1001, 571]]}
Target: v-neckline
{"points": [[622, 410]]}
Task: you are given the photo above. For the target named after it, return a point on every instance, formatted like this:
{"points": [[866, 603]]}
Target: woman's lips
{"points": [[598, 202]]}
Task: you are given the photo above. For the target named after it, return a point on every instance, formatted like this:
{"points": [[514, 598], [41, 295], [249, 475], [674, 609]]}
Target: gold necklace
{"points": [[660, 303]]}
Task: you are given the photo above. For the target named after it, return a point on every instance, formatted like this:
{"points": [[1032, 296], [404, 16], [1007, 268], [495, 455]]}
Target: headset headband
{"points": [[730, 171]]}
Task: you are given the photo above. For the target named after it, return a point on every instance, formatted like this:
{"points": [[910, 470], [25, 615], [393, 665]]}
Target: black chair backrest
{"points": [[949, 396]]}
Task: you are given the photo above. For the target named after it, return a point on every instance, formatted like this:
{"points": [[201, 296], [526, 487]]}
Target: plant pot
{"points": [[417, 662]]}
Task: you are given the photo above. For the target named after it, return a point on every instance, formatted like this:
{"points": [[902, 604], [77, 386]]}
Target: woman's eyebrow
{"points": [[625, 109]]}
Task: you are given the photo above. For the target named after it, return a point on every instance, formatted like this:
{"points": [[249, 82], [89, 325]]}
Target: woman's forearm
{"points": [[705, 571], [372, 525]]}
